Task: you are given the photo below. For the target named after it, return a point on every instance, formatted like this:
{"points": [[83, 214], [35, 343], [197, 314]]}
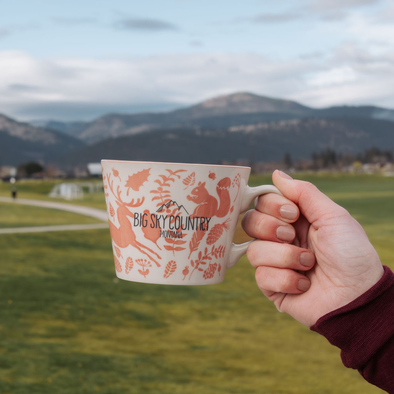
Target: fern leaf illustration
{"points": [[189, 180], [195, 241], [170, 269], [129, 265]]}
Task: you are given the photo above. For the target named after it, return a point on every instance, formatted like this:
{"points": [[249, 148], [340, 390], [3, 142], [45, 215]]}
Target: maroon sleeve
{"points": [[364, 331]]}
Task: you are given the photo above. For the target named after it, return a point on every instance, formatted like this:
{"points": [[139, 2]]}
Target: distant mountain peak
{"points": [[242, 103], [224, 100]]}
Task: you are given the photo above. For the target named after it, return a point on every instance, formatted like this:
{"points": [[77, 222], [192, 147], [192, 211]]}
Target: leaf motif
{"points": [[136, 180], [111, 210], [118, 266], [179, 242], [166, 179], [170, 269], [167, 247], [117, 251], [178, 249], [195, 241], [129, 264], [192, 263], [189, 180], [175, 173]]}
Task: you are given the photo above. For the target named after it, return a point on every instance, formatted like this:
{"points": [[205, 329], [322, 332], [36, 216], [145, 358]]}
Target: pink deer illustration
{"points": [[124, 235]]}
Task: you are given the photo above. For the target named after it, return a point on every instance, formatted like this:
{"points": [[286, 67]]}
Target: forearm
{"points": [[364, 331]]}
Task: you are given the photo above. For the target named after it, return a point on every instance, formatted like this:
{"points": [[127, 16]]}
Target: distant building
{"points": [[68, 191], [94, 169], [7, 172]]}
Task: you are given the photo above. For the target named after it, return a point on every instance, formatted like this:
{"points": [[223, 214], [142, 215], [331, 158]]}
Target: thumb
{"points": [[312, 203]]}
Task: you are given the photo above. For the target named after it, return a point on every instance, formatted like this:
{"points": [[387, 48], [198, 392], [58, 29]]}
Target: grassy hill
{"points": [[68, 326]]}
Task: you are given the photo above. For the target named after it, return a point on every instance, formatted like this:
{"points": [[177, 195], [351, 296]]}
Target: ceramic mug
{"points": [[173, 223]]}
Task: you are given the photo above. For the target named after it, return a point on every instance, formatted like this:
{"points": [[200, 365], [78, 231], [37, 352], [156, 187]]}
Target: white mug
{"points": [[173, 223]]}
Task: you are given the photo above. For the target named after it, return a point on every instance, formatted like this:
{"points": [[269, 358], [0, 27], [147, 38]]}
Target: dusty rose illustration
{"points": [[175, 241], [195, 241], [129, 265], [136, 180], [212, 175], [185, 272], [162, 194], [219, 269], [170, 269], [217, 231], [144, 264], [208, 206], [210, 271], [166, 205], [118, 266], [117, 251], [200, 263], [124, 235], [111, 210], [237, 183], [116, 174], [151, 231], [189, 180]]}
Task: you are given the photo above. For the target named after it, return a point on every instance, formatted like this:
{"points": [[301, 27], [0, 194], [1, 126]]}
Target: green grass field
{"points": [[68, 325], [13, 215], [41, 188]]}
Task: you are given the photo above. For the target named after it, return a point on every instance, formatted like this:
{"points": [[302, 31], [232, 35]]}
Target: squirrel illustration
{"points": [[207, 205]]}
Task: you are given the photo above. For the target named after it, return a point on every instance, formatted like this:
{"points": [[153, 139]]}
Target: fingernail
{"points": [[284, 175], [303, 284], [307, 259], [285, 233], [288, 212]]}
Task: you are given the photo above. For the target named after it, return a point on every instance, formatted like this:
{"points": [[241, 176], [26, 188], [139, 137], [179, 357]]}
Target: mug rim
{"points": [[173, 163]]}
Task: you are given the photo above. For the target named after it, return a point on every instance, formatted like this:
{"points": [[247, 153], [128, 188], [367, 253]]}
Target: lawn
{"points": [[68, 325], [40, 189], [15, 215]]}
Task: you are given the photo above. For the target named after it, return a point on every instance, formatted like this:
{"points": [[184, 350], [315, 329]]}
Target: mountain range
{"points": [[22, 142], [226, 128]]}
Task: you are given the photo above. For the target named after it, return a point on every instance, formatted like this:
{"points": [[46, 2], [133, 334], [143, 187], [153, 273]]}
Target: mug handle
{"points": [[237, 250]]}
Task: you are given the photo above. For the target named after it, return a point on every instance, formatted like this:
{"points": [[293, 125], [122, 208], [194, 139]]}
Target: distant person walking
{"points": [[14, 193]]}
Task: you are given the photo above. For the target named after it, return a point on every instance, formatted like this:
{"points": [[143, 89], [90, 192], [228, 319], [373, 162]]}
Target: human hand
{"points": [[312, 257]]}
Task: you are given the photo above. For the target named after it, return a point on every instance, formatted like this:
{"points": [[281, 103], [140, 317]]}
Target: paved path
{"points": [[86, 211]]}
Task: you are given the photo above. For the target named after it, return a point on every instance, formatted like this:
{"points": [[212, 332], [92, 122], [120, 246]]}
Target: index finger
{"points": [[278, 206]]}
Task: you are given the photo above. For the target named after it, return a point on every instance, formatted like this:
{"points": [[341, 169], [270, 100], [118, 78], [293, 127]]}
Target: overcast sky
{"points": [[77, 60]]}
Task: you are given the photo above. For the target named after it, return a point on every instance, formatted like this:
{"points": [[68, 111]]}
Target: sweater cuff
{"points": [[363, 326]]}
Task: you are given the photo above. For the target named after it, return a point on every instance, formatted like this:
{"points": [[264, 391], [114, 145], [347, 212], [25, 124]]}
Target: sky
{"points": [[78, 60]]}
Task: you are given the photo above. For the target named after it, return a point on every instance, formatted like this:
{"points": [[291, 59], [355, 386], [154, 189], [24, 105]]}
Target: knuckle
{"points": [[285, 281], [286, 254], [251, 252], [259, 276]]}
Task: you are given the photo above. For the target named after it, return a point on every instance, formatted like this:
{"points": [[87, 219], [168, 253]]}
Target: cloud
{"points": [[81, 88], [276, 18], [334, 10], [321, 5], [196, 43], [20, 87], [145, 24], [64, 21], [327, 10], [4, 33]]}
